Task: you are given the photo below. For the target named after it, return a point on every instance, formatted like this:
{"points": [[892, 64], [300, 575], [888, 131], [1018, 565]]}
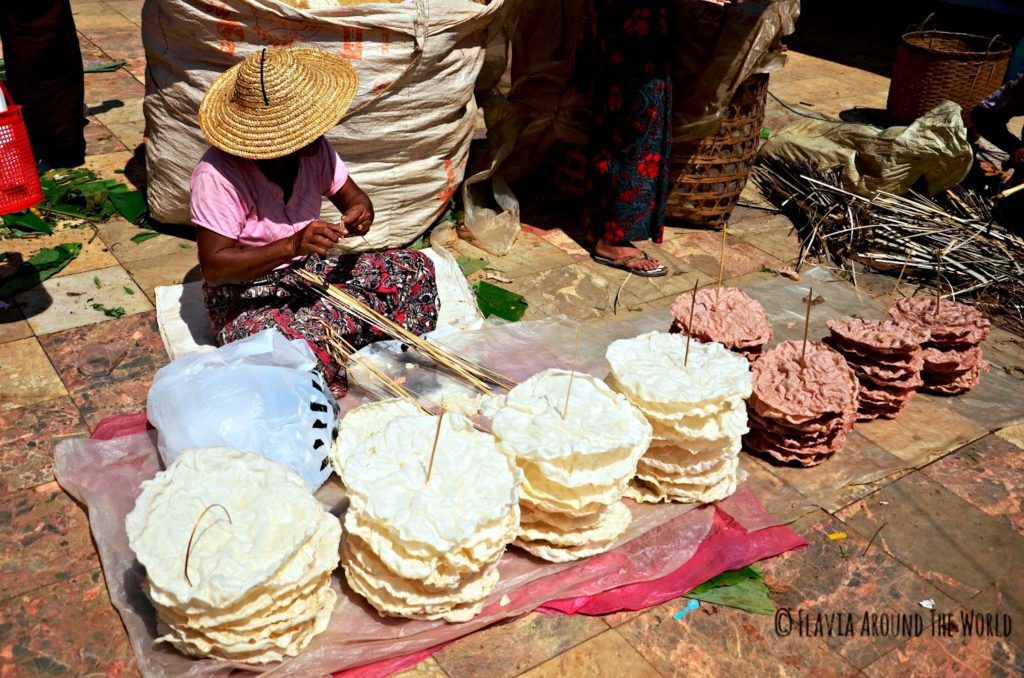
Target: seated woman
{"points": [[256, 199]]}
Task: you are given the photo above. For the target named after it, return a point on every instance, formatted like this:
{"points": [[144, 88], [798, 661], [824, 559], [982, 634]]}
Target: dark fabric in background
{"points": [[44, 75]]}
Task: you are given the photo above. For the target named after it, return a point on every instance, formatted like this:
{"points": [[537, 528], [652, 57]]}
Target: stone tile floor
{"points": [[952, 531]]}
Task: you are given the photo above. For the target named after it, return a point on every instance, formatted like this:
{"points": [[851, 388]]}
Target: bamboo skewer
{"points": [[895, 289], [389, 327], [572, 373], [721, 266], [807, 325], [1010, 191], [348, 353], [192, 535], [433, 450], [689, 328]]}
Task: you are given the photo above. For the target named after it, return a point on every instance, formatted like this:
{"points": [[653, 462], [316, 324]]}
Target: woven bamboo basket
{"points": [[708, 174], [933, 66]]}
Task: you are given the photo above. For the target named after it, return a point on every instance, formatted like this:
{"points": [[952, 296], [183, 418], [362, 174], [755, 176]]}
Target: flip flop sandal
{"points": [[622, 264]]}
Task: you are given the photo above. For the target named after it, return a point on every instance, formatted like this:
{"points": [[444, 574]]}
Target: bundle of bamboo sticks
{"points": [[478, 376], [345, 353], [951, 238]]}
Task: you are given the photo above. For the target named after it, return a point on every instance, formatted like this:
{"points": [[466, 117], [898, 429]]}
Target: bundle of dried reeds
{"points": [[951, 238]]}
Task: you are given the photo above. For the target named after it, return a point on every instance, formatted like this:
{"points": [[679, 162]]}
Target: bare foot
{"points": [[604, 249]]}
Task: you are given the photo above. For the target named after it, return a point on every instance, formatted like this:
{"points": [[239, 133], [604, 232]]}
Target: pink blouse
{"points": [[230, 196]]}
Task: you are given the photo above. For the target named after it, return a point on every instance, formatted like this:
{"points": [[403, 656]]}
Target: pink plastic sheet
{"points": [[729, 546], [650, 566]]}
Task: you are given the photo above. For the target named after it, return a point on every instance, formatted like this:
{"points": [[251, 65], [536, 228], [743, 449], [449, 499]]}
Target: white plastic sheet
{"points": [[260, 395]]}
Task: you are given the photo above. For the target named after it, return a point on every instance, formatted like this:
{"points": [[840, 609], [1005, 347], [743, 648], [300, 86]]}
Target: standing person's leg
{"points": [[630, 139], [44, 75]]}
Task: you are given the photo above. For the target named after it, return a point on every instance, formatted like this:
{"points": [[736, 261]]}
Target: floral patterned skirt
{"points": [[399, 284], [631, 135]]}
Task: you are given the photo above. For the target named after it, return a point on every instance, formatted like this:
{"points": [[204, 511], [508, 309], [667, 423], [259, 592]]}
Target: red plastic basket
{"points": [[19, 179]]}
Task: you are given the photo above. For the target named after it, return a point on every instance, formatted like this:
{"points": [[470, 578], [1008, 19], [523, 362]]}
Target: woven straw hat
{"points": [[277, 101]]}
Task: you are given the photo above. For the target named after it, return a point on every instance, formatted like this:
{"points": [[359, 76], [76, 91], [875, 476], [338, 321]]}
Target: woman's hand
{"points": [[355, 207], [357, 219], [317, 238]]}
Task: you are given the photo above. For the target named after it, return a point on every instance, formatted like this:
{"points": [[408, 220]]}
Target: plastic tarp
{"points": [[934, 147], [406, 137], [910, 441], [105, 476]]}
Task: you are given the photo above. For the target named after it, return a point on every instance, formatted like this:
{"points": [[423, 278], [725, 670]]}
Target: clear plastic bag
{"points": [[260, 394]]}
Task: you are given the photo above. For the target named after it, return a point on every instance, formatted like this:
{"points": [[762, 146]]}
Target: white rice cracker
{"points": [[256, 515], [654, 368], [358, 424], [612, 524], [650, 492]]}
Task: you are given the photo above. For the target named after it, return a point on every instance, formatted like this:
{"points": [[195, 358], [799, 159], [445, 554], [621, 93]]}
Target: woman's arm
{"points": [[355, 207], [224, 262], [991, 116]]}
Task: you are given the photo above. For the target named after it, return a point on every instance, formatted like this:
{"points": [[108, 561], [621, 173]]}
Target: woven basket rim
{"points": [[1000, 48]]}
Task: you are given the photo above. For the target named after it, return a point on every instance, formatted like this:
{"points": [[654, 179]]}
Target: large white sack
{"points": [[406, 137]]}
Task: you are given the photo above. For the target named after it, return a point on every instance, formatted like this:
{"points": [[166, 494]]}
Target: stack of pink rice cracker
{"points": [[803, 406], [952, 347], [887, 359]]}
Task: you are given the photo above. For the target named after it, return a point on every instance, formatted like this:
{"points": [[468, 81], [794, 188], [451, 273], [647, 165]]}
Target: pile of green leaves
{"points": [[67, 193], [82, 194], [78, 194]]}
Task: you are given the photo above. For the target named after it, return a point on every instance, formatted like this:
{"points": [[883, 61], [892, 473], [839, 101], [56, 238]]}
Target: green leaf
{"points": [[96, 281], [470, 265], [104, 68], [95, 198], [493, 300], [743, 589], [184, 246], [40, 266], [45, 257], [82, 194], [111, 312], [144, 236], [129, 204], [728, 579], [27, 222], [129, 291]]}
